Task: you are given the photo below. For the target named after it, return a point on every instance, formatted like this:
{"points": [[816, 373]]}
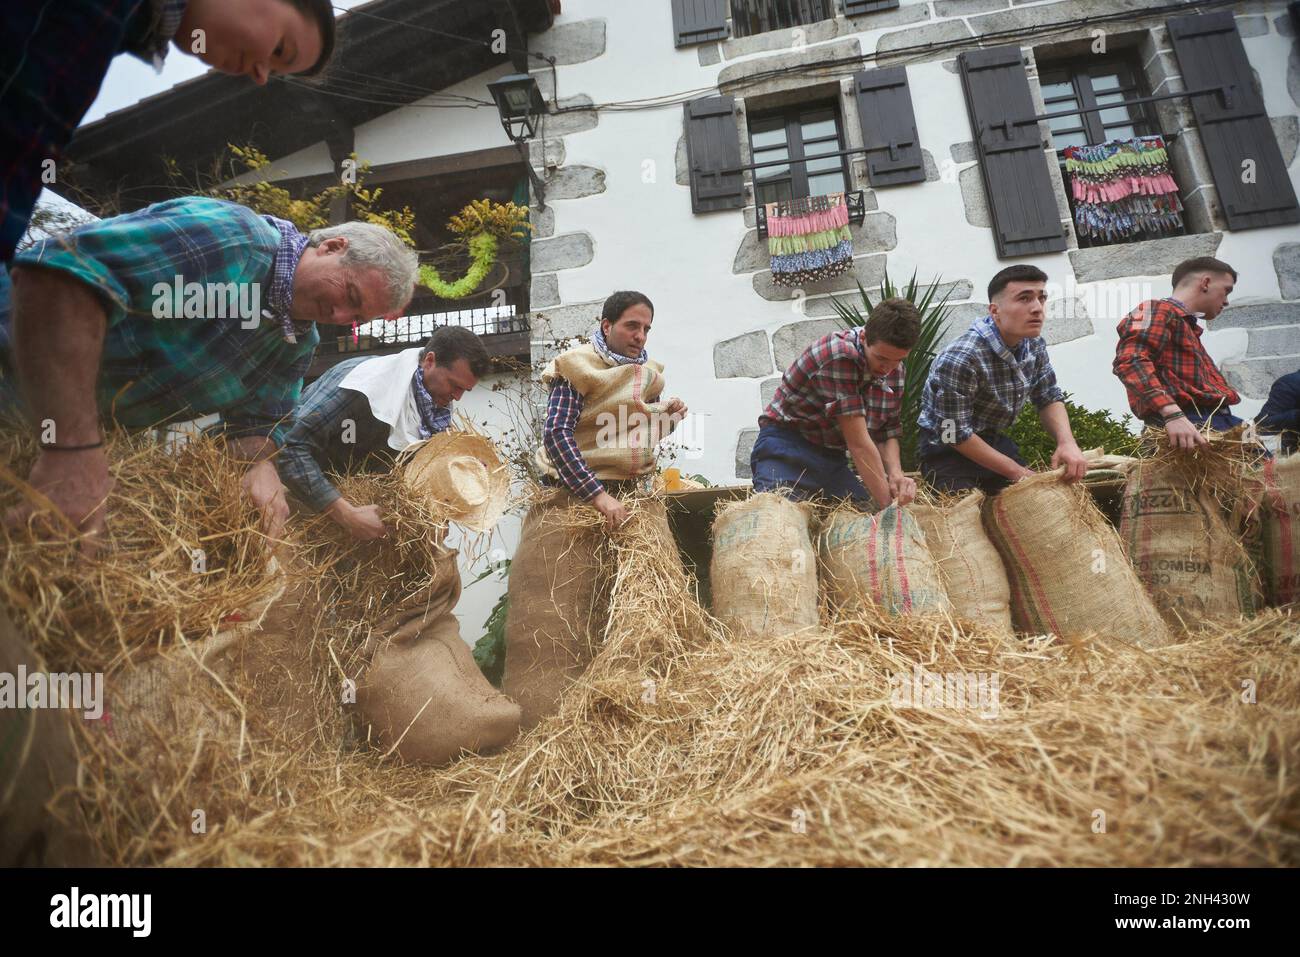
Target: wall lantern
{"points": [[520, 104]]}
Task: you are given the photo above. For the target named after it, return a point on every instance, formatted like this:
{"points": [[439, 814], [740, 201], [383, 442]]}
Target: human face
{"points": [[627, 336], [882, 358], [1018, 311], [324, 290], [446, 384], [252, 38], [1212, 291]]}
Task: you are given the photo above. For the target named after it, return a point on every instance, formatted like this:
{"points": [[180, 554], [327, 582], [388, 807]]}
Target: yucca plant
{"points": [[917, 366]]}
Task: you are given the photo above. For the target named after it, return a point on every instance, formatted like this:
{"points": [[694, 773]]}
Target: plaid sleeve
{"points": [[1043, 391], [953, 382], [1143, 335], [891, 404], [562, 411], [316, 420], [58, 54]]}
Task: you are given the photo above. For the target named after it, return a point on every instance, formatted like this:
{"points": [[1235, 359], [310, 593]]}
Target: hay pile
{"points": [[684, 745], [144, 590]]}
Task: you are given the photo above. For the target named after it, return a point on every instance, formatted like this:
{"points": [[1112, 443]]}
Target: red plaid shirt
{"points": [[1160, 360], [832, 379]]}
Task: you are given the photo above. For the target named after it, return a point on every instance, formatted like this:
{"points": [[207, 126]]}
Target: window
{"points": [[1085, 84], [797, 134], [1090, 83], [761, 16]]}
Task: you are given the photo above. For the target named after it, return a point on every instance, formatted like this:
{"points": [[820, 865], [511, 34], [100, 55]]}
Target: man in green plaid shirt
{"points": [[186, 308]]}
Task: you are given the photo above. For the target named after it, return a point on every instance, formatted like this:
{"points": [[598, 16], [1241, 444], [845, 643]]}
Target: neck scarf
{"points": [[433, 418], [280, 297]]}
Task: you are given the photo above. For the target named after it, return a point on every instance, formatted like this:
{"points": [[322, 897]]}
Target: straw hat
{"points": [[460, 476]]}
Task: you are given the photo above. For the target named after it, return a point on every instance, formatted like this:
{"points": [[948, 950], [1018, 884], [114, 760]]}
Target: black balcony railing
{"points": [[760, 16], [855, 201]]}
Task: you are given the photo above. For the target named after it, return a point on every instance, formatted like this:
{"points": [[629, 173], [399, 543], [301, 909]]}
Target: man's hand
{"points": [[676, 409], [1018, 472], [615, 512], [363, 522], [76, 482], [901, 488], [1068, 454], [1183, 435], [262, 484]]}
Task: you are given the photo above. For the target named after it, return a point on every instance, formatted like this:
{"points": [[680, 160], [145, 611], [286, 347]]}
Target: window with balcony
{"points": [[1114, 163], [799, 135]]}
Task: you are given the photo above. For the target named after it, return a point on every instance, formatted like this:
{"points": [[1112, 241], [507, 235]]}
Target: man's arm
{"points": [[1282, 410], [320, 417], [1142, 337], [58, 329], [1057, 423], [901, 488], [563, 408], [866, 457]]}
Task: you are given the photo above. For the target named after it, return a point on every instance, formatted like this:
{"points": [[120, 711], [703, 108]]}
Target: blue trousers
{"points": [[784, 459], [947, 470]]}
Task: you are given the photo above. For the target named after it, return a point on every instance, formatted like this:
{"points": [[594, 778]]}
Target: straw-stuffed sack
{"points": [[969, 565], [1280, 529], [423, 697], [880, 562], [763, 573], [558, 599], [38, 765], [1183, 550], [1068, 572]]}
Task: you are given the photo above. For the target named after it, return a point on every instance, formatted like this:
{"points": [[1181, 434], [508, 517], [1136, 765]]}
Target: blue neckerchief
{"points": [[279, 299], [433, 418], [598, 343]]}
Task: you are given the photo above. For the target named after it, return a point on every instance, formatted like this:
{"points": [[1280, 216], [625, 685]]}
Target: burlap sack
{"points": [[1066, 567], [1184, 552], [38, 770], [763, 572], [969, 565], [558, 598], [879, 562], [1280, 529], [424, 698]]}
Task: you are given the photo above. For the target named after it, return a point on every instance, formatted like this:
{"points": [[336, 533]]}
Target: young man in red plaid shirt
{"points": [[1171, 380], [844, 394]]}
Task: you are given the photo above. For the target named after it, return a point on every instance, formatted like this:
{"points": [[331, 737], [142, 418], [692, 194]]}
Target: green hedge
{"points": [[1091, 429]]}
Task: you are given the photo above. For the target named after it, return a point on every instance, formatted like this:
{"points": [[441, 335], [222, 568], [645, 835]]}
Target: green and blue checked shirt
{"points": [[158, 370]]}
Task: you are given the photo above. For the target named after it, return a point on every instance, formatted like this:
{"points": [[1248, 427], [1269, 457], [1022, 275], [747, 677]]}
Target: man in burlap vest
{"points": [[603, 421]]}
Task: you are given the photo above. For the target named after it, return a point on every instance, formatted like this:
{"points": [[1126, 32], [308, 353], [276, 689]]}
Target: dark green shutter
{"points": [[699, 21], [713, 143], [888, 127]]}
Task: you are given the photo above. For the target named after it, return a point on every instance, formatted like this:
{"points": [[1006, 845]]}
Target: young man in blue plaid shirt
{"points": [[980, 382], [363, 410], [842, 398], [90, 333], [54, 55]]}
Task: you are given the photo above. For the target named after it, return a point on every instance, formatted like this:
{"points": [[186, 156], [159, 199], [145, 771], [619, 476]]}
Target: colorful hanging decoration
{"points": [[809, 239], [1123, 189], [482, 225]]}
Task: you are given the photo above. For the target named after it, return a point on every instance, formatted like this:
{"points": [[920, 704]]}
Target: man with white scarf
{"points": [[364, 410]]}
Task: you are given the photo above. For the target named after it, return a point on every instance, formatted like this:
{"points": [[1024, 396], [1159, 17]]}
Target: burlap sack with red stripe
{"points": [[1280, 520], [763, 573], [1068, 573], [1184, 552], [969, 565], [879, 562]]}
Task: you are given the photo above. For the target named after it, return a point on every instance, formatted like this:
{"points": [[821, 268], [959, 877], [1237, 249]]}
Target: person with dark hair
{"points": [[1172, 382], [363, 410], [1281, 413], [843, 396], [603, 417], [54, 55], [980, 382]]}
